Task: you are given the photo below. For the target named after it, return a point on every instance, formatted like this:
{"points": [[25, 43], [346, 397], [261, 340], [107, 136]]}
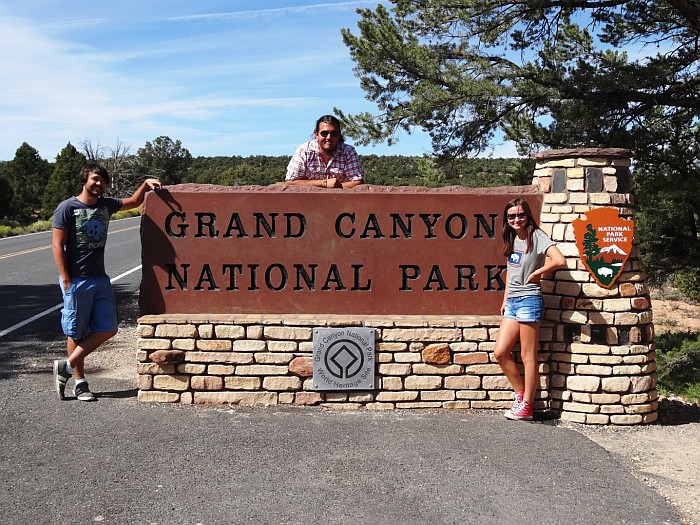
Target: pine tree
{"points": [[64, 180]]}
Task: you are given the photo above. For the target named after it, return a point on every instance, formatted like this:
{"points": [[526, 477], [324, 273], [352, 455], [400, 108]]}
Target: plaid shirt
{"points": [[306, 164]]}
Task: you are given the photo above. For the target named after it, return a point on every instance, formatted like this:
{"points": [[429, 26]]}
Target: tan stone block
{"points": [[342, 406], [380, 406], [227, 331], [144, 382], [360, 397], [391, 347], [597, 419], [221, 370], [605, 360], [457, 405], [601, 318], [617, 305], [467, 346], [641, 409], [232, 358], [423, 369], [581, 407], [634, 419], [600, 198], [396, 396], [391, 383], [154, 369], [281, 346], [580, 397], [183, 344], [288, 333], [269, 358], [285, 398], [235, 398], [213, 345], [171, 382], [419, 405], [583, 383], [575, 184], [152, 344], [590, 370], [605, 399], [423, 382], [254, 332], [393, 369], [422, 334], [476, 334], [205, 331], [463, 382], [574, 317], [247, 345], [483, 370], [179, 331], [307, 398], [145, 330], [150, 396], [407, 357], [471, 394], [574, 417], [642, 384], [612, 409], [191, 369], [207, 383], [387, 357], [437, 395], [555, 198], [288, 383], [261, 370], [620, 385], [242, 383], [629, 370], [491, 405], [582, 348]]}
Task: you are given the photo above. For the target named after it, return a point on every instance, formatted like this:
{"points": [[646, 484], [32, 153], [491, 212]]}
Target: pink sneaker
{"points": [[517, 399], [523, 411]]}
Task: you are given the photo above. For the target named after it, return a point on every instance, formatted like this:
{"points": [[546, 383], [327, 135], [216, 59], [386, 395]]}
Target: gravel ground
{"points": [[665, 455]]}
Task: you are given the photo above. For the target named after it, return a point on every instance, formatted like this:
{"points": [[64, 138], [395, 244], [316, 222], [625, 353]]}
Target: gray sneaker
{"points": [[82, 392], [60, 377]]}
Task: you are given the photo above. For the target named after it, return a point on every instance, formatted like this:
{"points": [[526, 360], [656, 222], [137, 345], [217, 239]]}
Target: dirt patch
{"points": [[665, 455]]}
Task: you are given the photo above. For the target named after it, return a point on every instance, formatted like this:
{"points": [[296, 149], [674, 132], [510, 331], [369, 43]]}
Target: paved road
{"points": [[120, 462]]}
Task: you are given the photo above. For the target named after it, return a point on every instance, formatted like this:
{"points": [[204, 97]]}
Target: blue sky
{"points": [[234, 77]]}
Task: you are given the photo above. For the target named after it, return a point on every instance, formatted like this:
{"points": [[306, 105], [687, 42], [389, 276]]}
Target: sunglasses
{"points": [[325, 133], [513, 216]]}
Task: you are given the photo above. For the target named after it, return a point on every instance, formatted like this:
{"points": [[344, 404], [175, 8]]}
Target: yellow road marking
{"points": [[14, 254]]}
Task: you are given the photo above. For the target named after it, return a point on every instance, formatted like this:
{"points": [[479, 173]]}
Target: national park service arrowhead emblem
{"points": [[604, 242]]}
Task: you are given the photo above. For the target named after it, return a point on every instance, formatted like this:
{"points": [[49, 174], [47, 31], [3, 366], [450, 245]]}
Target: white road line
{"points": [[53, 309]]}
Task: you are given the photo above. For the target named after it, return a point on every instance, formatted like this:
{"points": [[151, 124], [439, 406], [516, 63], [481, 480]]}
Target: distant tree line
{"points": [[31, 187]]}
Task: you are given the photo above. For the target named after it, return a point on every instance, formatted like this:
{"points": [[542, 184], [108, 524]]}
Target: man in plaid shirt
{"points": [[326, 162]]}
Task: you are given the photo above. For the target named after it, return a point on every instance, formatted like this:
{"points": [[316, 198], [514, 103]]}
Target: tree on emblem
{"points": [[590, 243]]}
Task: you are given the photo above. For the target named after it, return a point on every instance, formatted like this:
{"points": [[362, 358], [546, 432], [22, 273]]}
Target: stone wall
{"points": [[597, 362], [602, 362]]}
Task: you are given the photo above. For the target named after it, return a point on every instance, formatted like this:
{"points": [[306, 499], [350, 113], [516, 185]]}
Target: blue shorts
{"points": [[88, 306], [527, 309]]}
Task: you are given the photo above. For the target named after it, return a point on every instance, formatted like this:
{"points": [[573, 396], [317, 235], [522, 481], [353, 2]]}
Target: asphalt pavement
{"points": [[118, 461]]}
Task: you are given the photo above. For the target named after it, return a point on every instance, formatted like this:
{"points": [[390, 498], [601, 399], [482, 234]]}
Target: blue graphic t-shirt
{"points": [[87, 233], [522, 264]]}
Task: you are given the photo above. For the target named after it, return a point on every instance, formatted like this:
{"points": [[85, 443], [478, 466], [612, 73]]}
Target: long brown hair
{"points": [[509, 233]]}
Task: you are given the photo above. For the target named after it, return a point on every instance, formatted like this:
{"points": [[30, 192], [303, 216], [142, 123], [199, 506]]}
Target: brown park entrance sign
{"points": [[283, 249]]}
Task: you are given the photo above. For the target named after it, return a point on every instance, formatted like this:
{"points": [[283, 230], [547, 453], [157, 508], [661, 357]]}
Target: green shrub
{"points": [[688, 282], [38, 226], [5, 231], [678, 362]]}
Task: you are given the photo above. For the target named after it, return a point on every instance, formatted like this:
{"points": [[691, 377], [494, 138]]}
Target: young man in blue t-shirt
{"points": [[89, 314]]}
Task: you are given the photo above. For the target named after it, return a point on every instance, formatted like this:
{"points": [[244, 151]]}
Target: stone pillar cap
{"points": [[571, 153]]}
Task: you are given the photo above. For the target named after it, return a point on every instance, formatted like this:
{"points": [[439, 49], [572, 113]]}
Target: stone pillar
{"points": [[602, 360]]}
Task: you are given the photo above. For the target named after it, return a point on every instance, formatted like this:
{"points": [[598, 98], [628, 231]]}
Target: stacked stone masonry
{"points": [[597, 360], [602, 362]]}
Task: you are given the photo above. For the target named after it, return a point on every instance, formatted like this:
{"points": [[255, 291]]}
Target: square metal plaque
{"points": [[343, 359]]}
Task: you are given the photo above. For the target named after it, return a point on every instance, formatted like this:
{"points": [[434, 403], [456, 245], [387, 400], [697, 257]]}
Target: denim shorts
{"points": [[527, 309], [88, 306]]}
